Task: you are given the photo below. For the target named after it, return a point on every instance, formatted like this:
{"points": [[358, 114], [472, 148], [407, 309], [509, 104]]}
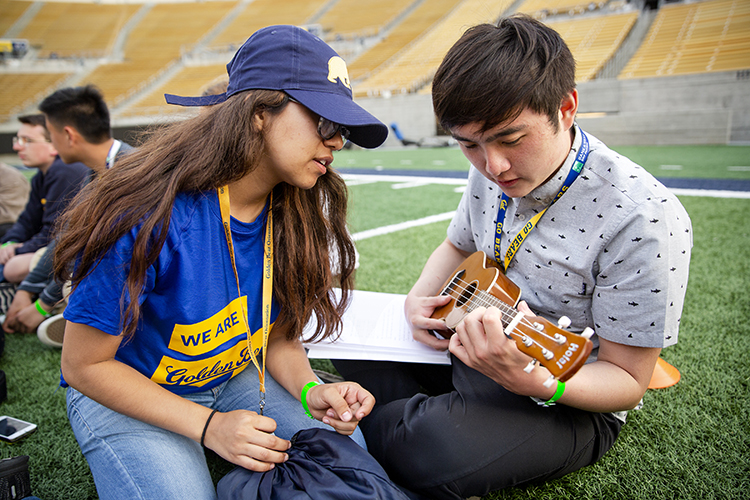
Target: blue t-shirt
{"points": [[191, 336]]}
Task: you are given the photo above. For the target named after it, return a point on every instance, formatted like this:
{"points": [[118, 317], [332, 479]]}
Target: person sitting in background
{"points": [[14, 193], [79, 119], [79, 127], [52, 188]]}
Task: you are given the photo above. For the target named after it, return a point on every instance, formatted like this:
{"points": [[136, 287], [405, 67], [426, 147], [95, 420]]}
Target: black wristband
{"points": [[205, 427]]}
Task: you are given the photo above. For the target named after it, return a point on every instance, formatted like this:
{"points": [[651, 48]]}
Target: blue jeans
{"points": [[135, 460]]}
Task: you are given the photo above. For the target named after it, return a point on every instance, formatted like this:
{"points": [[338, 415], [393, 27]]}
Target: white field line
{"points": [[407, 185], [353, 179], [380, 231], [400, 179], [710, 193]]}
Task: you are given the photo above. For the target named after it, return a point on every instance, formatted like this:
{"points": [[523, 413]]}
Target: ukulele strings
{"points": [[505, 309]]}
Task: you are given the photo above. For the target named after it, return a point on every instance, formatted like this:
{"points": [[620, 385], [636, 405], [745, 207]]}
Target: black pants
{"points": [[450, 432]]}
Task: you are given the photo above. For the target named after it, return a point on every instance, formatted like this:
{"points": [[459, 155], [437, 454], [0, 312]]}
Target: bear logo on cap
{"points": [[337, 70]]}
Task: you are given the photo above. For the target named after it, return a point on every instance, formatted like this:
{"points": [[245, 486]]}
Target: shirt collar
{"points": [[113, 150], [544, 194]]}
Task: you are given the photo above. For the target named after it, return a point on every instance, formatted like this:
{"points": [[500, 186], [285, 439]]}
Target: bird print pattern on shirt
{"points": [[612, 253]]}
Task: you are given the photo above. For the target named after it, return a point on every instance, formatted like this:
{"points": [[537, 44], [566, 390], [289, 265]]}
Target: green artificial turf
{"points": [[718, 162], [56, 465], [378, 204], [691, 441], [402, 159]]}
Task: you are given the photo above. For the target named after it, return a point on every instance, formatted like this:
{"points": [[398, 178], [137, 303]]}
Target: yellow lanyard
{"points": [[580, 161], [525, 230], [267, 285]]}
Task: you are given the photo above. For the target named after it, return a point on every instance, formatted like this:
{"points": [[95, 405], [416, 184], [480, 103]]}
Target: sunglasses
{"points": [[327, 129]]}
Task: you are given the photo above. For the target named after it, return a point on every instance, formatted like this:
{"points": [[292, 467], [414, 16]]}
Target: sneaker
{"points": [[14, 478], [51, 330]]}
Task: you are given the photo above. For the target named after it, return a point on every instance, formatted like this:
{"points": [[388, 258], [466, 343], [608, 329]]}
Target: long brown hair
{"points": [[219, 146]]}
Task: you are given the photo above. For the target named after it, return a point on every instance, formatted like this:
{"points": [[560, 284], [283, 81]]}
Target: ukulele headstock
{"points": [[563, 353]]}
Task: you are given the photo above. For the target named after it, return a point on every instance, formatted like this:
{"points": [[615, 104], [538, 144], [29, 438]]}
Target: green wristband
{"points": [[303, 397], [557, 395], [7, 243], [41, 309]]}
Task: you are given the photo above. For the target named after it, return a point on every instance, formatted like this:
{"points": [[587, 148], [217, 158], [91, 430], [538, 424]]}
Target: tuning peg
{"points": [[563, 322], [551, 380], [530, 366], [587, 333], [560, 339], [527, 341]]}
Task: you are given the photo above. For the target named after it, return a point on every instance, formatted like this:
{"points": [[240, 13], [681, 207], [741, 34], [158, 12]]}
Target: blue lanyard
{"points": [[581, 157]]}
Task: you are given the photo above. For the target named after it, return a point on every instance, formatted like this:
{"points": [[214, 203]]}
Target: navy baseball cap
{"points": [[289, 58]]}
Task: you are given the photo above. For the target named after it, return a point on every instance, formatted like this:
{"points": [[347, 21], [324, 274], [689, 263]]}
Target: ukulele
{"points": [[480, 282]]}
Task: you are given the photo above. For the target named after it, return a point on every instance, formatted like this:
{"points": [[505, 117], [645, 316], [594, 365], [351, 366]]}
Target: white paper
{"points": [[375, 328]]}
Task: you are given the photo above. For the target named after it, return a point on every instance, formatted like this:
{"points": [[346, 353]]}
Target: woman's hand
{"points": [[242, 437], [341, 405], [418, 311], [246, 439]]}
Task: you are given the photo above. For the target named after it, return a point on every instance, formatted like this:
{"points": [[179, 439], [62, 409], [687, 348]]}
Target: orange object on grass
{"points": [[665, 375]]}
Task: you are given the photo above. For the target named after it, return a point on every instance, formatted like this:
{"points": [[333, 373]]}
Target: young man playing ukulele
{"points": [[582, 231]]}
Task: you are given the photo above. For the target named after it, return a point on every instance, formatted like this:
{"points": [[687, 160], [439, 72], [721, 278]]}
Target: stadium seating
{"points": [[699, 37], [357, 18], [417, 63], [407, 41], [11, 10], [260, 13], [56, 30], [189, 81], [544, 8], [594, 40], [155, 45], [402, 35], [23, 89]]}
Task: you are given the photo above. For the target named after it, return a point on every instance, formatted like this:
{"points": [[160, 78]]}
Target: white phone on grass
{"points": [[13, 429]]}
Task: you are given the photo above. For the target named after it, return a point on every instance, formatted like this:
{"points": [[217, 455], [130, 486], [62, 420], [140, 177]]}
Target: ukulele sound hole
{"points": [[467, 294], [453, 284]]}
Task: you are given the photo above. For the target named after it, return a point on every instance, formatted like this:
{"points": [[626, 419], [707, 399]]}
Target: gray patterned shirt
{"points": [[612, 253]]}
